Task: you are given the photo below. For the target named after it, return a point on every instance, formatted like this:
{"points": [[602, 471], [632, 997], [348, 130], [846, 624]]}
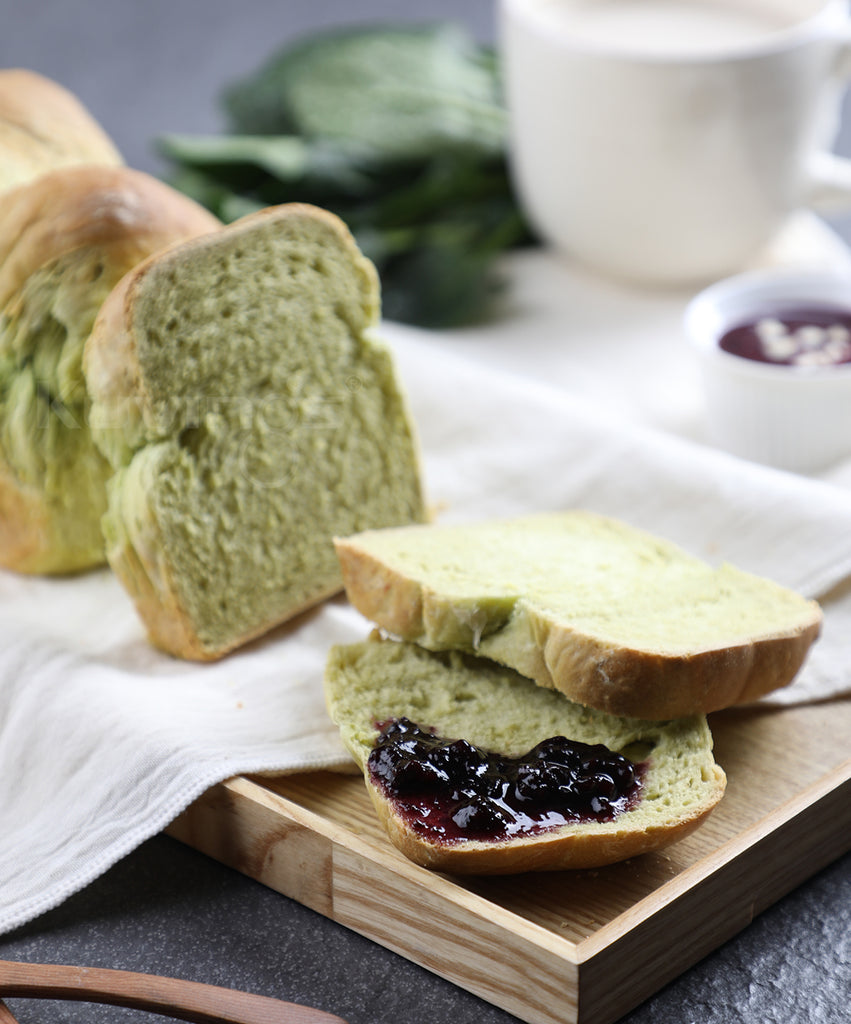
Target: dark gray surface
{"points": [[169, 910], [146, 67]]}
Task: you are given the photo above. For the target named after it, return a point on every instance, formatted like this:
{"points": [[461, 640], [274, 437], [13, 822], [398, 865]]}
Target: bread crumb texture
{"points": [[461, 696], [47, 452], [261, 418]]}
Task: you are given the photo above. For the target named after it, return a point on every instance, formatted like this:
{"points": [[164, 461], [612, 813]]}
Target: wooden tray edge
{"points": [[335, 872]]}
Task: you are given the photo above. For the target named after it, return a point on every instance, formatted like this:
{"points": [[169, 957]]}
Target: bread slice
{"points": [[460, 696], [44, 127], [612, 617], [250, 415], [65, 239]]}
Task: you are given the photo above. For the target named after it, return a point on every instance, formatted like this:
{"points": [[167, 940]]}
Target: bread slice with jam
{"points": [[609, 615], [444, 738]]}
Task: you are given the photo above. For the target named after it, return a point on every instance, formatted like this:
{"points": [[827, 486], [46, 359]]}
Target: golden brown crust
{"points": [[641, 684], [390, 600], [569, 848], [621, 681], [43, 127], [129, 214]]}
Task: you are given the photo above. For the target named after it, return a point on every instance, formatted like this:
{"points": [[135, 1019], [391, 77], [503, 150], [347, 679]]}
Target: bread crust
{"points": [[43, 127], [126, 213], [644, 684], [572, 847], [619, 680]]}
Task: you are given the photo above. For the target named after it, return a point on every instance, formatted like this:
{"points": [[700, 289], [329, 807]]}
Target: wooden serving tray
{"points": [[578, 947]]}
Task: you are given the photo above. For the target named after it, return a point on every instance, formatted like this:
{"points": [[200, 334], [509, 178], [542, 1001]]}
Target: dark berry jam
{"points": [[820, 336], [448, 790]]}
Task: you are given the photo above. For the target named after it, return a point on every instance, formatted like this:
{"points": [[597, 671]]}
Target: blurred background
{"points": [[158, 66], [149, 67]]}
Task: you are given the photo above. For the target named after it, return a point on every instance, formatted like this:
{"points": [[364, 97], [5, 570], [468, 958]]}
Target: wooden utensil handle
{"points": [[6, 1015], [184, 1000]]}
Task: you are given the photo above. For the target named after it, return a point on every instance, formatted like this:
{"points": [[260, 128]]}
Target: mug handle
{"points": [[828, 175], [828, 183]]}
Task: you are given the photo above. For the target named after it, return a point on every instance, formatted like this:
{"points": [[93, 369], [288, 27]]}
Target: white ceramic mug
{"points": [[666, 141]]}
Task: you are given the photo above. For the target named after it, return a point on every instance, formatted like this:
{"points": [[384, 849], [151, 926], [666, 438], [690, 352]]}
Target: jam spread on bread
{"points": [[820, 336], [449, 790]]}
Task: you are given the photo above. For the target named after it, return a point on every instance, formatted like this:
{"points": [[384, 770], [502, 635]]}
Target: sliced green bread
{"points": [[250, 415], [610, 616], [66, 238], [460, 696]]}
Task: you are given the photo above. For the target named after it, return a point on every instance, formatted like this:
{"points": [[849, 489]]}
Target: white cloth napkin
{"points": [[103, 741]]}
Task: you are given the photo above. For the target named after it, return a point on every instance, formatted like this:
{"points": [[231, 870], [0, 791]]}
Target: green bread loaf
{"points": [[461, 696], [66, 238], [609, 615], [44, 127], [250, 414]]}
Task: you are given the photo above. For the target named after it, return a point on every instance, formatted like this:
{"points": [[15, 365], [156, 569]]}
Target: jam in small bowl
{"points": [[774, 349]]}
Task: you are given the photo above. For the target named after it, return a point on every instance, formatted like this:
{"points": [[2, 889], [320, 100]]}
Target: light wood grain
{"points": [[578, 947], [170, 997]]}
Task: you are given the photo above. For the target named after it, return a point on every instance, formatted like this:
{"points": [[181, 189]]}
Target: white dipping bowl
{"points": [[792, 417]]}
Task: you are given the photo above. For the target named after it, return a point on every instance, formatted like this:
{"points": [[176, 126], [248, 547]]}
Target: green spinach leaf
{"points": [[402, 133]]}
